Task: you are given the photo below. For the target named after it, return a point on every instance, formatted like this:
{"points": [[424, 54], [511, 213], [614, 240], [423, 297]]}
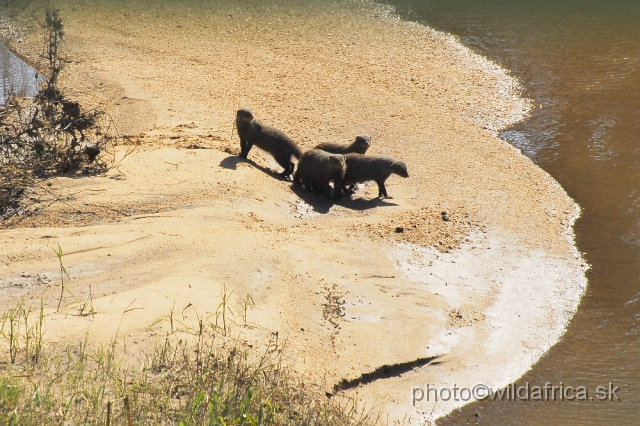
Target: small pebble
{"points": [[399, 230], [445, 216]]}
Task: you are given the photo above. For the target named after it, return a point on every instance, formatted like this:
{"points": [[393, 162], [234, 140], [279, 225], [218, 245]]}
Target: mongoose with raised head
{"points": [[358, 146], [363, 168], [253, 132], [317, 168]]}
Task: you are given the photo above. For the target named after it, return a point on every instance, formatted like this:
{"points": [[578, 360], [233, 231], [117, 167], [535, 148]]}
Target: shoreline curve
{"points": [[422, 96]]}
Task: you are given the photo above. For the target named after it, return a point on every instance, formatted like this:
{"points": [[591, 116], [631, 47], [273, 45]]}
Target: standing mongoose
{"points": [[363, 168], [358, 146], [317, 168], [280, 146]]}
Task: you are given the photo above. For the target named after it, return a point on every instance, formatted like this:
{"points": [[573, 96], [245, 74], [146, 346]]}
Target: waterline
{"points": [[16, 76]]}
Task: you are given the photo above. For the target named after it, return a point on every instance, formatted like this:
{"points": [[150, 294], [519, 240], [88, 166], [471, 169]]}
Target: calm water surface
{"points": [[15, 75], [580, 62]]}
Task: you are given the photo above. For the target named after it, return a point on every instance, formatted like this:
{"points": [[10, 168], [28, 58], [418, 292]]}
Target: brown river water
{"points": [[580, 63]]}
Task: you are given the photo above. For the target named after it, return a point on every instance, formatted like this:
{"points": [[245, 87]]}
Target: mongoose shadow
{"points": [[322, 205], [231, 162], [318, 203], [362, 203]]}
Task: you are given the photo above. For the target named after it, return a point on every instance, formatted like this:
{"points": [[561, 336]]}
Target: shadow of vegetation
{"points": [[119, 176], [384, 372]]}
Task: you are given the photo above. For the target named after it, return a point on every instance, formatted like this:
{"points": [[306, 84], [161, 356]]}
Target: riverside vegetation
{"points": [[196, 376], [49, 134]]}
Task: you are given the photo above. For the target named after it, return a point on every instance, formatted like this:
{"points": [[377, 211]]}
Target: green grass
{"points": [[201, 378]]}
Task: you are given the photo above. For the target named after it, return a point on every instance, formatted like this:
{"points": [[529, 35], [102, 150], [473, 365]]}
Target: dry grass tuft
{"points": [[201, 377]]}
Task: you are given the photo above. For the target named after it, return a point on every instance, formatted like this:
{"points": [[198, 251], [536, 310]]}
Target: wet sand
{"points": [[484, 295]]}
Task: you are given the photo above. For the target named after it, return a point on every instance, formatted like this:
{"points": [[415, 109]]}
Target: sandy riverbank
{"points": [[487, 293]]}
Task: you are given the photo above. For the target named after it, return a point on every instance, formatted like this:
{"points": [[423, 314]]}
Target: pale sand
{"points": [[347, 299]]}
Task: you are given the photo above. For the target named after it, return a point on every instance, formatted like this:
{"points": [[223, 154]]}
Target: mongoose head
{"points": [[244, 115], [361, 144], [337, 163], [400, 169]]}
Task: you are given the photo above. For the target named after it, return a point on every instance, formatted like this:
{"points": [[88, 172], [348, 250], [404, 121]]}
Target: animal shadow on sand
{"points": [[231, 162], [321, 204], [318, 202], [362, 203]]}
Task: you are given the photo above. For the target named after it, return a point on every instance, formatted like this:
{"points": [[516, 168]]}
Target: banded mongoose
{"points": [[317, 168], [359, 146], [253, 132], [363, 168]]}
